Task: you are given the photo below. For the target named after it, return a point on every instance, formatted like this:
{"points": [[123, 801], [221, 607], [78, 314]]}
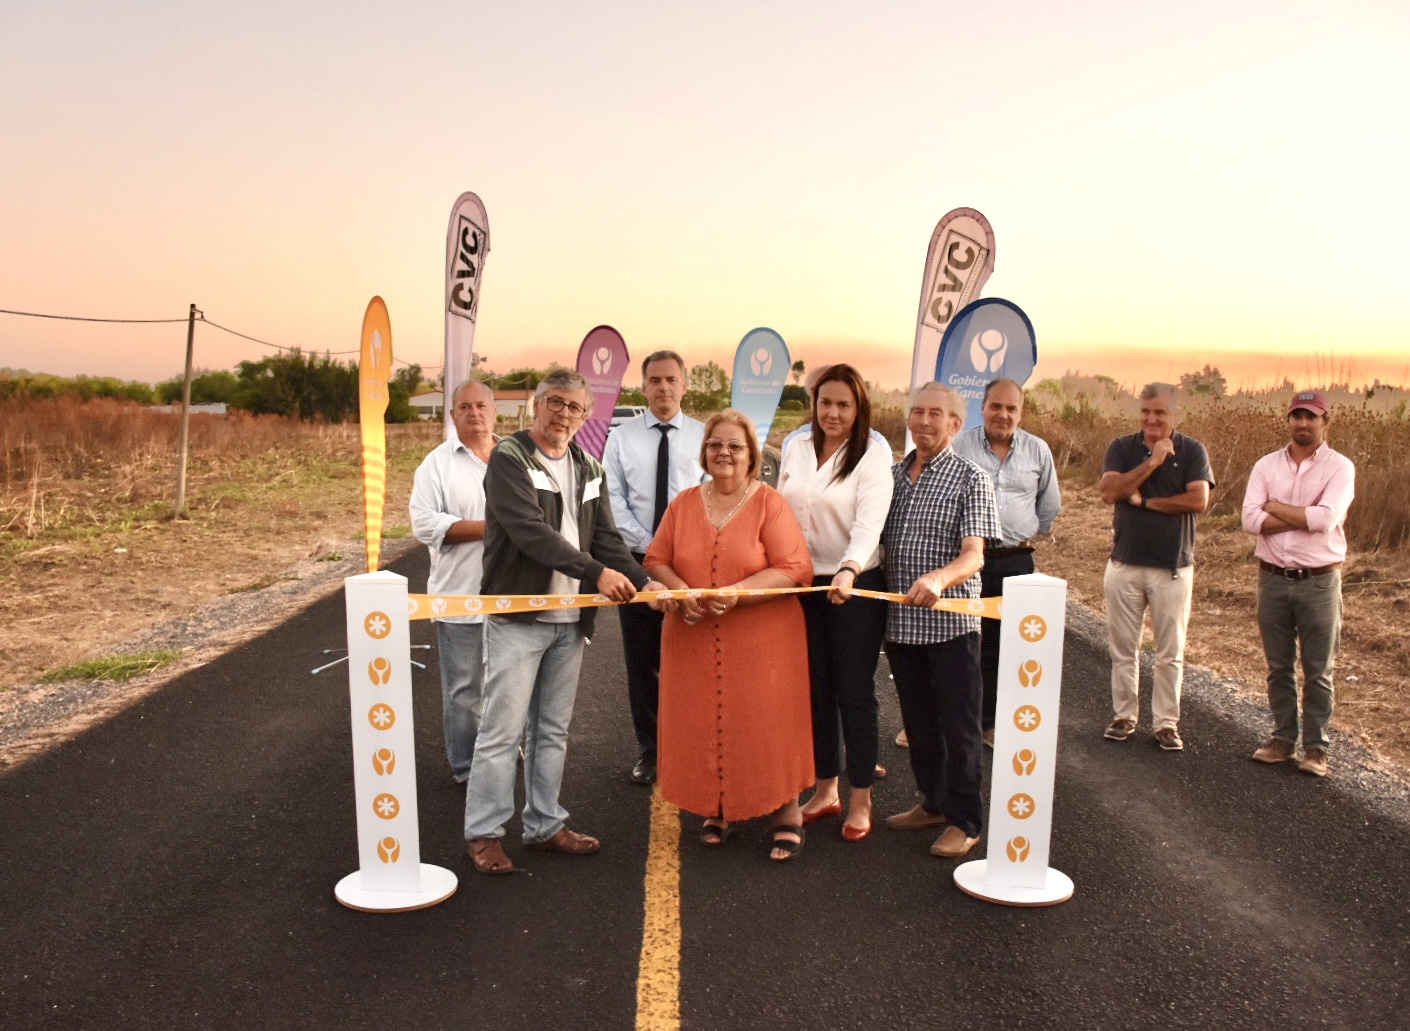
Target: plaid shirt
{"points": [[953, 499]]}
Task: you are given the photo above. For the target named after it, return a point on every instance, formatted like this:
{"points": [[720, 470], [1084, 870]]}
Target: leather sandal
{"points": [[715, 832], [568, 843], [488, 856], [786, 844]]}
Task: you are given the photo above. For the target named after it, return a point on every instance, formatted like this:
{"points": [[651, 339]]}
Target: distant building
{"points": [[213, 408], [513, 405], [429, 405]]}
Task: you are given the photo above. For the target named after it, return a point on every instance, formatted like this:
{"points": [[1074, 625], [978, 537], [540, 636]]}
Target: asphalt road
{"points": [[174, 867]]}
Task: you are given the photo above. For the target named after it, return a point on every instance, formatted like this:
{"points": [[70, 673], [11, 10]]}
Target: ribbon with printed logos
{"points": [[431, 606]]}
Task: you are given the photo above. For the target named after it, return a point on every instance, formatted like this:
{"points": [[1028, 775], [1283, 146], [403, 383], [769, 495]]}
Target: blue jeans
{"points": [[461, 647], [1300, 616], [531, 682]]}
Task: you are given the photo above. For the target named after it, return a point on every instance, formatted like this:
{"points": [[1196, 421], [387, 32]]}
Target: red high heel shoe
{"points": [[850, 833], [827, 810]]}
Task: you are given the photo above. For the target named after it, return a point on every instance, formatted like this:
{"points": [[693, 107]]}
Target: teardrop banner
{"points": [[373, 371], [959, 261], [987, 340], [467, 244], [761, 367], [602, 361]]}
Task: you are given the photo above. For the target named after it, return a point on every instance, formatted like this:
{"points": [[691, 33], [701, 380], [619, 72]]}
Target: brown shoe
{"points": [[1314, 761], [988, 737], [1120, 729], [488, 856], [1274, 750], [902, 741], [569, 843], [1169, 739], [915, 819], [952, 843]]}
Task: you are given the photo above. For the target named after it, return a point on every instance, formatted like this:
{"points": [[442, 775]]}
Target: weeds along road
{"points": [[174, 867]]}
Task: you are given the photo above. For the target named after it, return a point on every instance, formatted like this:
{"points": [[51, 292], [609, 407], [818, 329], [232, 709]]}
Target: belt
{"points": [[1297, 574], [1003, 551]]}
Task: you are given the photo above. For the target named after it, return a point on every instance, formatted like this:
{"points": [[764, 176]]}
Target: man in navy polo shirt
{"points": [[1157, 480]]}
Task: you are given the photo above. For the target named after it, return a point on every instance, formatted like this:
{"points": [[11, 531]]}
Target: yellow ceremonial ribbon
{"points": [[432, 606], [373, 372]]}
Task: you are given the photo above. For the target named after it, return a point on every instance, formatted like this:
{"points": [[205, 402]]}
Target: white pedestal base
{"points": [[969, 877], [437, 885]]}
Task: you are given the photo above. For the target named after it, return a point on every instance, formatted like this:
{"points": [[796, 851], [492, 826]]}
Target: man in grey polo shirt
{"points": [[1156, 481], [1020, 466]]}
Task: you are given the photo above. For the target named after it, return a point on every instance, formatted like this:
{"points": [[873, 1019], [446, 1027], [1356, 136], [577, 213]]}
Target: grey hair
{"points": [[957, 402], [1166, 390], [563, 379]]}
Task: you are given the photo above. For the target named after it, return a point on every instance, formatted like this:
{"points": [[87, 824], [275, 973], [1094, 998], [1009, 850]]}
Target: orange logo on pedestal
{"points": [[386, 806], [1027, 718], [381, 716], [1018, 849], [1024, 761], [1030, 672], [379, 670], [1021, 807], [384, 761], [388, 850], [377, 625], [1033, 628]]}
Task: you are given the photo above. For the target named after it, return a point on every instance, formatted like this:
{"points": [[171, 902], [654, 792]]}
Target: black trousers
{"points": [[992, 577], [939, 689], [844, 644], [641, 646]]}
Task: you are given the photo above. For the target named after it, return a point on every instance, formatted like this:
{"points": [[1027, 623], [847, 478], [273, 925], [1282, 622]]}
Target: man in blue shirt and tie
{"points": [[648, 461]]}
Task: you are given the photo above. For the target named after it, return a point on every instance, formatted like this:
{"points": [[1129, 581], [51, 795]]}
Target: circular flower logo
{"points": [[386, 806], [377, 625]]}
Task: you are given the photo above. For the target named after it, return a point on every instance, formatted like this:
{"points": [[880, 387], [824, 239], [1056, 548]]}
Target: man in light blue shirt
{"points": [[1025, 484], [648, 461]]}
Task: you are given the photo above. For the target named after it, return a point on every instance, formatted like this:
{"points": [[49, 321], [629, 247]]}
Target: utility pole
{"points": [[180, 507]]}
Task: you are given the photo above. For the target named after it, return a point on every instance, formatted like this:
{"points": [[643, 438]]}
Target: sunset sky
{"points": [[1219, 181]]}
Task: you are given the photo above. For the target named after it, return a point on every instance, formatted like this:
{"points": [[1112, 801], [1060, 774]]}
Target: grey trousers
{"points": [[1300, 616]]}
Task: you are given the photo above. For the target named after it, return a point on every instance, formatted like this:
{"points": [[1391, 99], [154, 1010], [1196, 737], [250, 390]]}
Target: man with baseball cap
{"points": [[1296, 504]]}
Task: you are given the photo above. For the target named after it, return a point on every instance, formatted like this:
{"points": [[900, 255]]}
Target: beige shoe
{"points": [[1274, 750], [953, 843], [1314, 761], [902, 741], [988, 736], [915, 819]]}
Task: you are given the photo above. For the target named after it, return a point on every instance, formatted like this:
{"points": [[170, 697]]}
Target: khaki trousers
{"points": [[1130, 591]]}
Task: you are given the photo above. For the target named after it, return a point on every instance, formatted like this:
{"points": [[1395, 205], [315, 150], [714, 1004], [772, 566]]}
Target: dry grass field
{"points": [[89, 554]]}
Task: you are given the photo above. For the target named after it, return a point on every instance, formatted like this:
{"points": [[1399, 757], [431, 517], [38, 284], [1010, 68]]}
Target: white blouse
{"points": [[841, 519]]}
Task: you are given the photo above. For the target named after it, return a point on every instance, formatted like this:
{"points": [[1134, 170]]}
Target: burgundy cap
{"points": [[1313, 401]]}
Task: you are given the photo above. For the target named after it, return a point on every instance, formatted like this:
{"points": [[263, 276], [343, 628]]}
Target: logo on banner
{"points": [[602, 361], [465, 271], [761, 362], [959, 260], [987, 350]]}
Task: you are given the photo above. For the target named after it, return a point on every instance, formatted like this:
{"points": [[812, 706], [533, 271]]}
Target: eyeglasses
{"points": [[557, 404], [734, 447]]}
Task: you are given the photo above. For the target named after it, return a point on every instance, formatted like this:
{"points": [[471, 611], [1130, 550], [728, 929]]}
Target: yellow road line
{"points": [[658, 981]]}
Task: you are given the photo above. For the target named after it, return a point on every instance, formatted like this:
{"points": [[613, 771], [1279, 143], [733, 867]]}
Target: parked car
{"points": [[625, 413]]}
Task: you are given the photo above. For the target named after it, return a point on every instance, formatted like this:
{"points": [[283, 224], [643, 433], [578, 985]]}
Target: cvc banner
{"points": [[602, 361], [373, 371], [987, 340], [761, 366], [957, 264], [467, 244]]}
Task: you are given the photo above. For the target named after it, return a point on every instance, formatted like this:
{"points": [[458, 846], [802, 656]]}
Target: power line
{"points": [[80, 318], [264, 343]]}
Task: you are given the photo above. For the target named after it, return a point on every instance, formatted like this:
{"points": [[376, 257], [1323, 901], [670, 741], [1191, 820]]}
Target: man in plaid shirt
{"points": [[942, 514]]}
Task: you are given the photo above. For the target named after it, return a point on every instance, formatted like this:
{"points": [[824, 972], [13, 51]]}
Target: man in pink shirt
{"points": [[1296, 504]]}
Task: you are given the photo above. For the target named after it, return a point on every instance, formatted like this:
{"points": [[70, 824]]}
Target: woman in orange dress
{"points": [[735, 723]]}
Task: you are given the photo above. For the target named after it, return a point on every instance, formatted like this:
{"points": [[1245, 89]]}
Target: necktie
{"points": [[663, 473]]}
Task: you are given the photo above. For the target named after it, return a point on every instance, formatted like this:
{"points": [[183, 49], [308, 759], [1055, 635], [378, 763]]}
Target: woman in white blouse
{"points": [[838, 483]]}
